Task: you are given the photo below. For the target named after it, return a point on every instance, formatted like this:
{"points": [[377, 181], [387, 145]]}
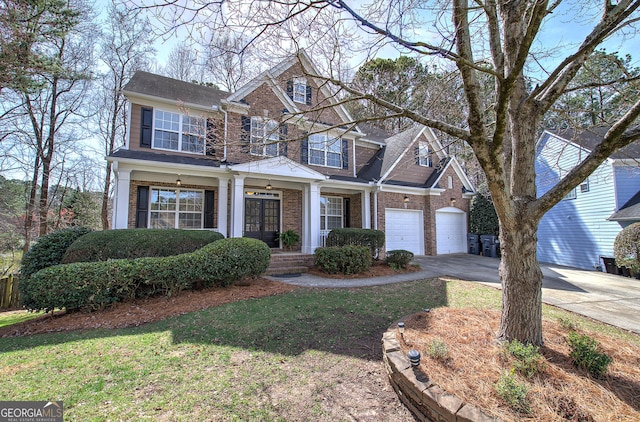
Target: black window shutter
{"points": [[346, 211], [304, 149], [245, 136], [416, 152], [284, 145], [146, 127], [290, 88], [345, 154], [210, 147], [208, 209], [308, 95], [142, 207]]}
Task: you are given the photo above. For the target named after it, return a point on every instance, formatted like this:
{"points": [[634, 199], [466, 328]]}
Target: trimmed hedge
{"points": [[137, 243], [94, 285], [343, 259], [49, 250], [372, 239], [626, 248], [399, 258]]}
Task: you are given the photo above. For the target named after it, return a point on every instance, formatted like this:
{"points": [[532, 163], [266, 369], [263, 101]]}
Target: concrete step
{"points": [[286, 270]]}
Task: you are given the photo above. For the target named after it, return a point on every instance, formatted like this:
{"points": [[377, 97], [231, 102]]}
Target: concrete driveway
{"points": [[605, 297]]}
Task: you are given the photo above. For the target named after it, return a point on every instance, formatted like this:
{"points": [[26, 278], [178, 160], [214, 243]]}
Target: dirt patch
{"points": [[131, 314], [560, 391]]}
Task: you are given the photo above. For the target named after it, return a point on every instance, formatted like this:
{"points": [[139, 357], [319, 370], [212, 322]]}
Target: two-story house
{"points": [[281, 154], [580, 230]]}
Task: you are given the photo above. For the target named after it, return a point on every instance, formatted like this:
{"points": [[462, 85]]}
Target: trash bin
{"points": [[473, 244], [610, 265], [489, 245]]}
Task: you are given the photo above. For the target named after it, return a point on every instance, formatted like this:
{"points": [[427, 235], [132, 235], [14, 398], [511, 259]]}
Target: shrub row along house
{"points": [[580, 230], [281, 154]]}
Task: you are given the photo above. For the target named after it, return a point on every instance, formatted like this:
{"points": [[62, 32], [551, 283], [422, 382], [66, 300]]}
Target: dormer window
{"points": [[300, 90]]}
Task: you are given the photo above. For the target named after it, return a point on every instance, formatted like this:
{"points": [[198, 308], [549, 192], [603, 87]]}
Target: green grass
{"points": [[274, 358], [14, 317]]}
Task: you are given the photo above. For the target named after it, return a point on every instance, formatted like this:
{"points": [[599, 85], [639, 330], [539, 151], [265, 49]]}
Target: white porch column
{"points": [[366, 209], [314, 216], [237, 206], [223, 196], [120, 219], [306, 230]]}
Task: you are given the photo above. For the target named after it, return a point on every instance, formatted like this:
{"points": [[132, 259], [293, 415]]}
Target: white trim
{"points": [[168, 168], [278, 167], [152, 100]]}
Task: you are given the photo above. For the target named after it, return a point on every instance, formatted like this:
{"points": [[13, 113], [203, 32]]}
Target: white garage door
{"points": [[404, 230], [451, 231]]}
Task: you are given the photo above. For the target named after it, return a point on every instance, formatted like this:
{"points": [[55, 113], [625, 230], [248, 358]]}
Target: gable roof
{"points": [[589, 138], [149, 84], [397, 146], [630, 211]]}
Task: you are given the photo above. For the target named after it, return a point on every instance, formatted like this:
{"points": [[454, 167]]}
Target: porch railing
{"points": [[323, 237]]}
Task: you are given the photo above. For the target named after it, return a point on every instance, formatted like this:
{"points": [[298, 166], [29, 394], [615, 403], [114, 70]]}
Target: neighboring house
{"points": [[281, 154], [581, 229]]}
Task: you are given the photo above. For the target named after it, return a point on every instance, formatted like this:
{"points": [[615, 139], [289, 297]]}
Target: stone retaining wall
{"points": [[427, 401]]}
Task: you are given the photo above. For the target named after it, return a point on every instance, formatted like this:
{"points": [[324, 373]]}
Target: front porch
{"points": [[289, 262]]}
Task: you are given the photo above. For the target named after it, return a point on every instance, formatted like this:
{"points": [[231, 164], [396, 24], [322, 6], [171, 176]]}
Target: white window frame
{"points": [[325, 141], [300, 90], [324, 216], [176, 211], [573, 193], [424, 155], [264, 136], [184, 130], [584, 186]]}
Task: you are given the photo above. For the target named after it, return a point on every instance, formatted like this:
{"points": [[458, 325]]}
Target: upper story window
{"points": [[424, 155], [176, 208], [178, 132], [300, 90], [265, 135], [573, 193], [325, 151]]}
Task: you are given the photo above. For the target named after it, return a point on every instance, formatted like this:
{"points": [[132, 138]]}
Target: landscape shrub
{"points": [[585, 354], [49, 250], [399, 258], [372, 239], [626, 248], [137, 243], [513, 393], [482, 214], [528, 360], [438, 350], [343, 259], [94, 285]]}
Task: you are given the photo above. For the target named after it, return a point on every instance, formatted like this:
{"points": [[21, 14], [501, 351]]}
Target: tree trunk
{"points": [[521, 278], [31, 205]]}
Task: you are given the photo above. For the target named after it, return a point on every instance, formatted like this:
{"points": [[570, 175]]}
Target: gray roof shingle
{"points": [[172, 89], [629, 211]]}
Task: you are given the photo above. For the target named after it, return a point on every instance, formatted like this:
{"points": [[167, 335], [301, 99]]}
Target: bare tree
{"points": [[183, 63], [499, 41], [125, 48], [230, 61]]}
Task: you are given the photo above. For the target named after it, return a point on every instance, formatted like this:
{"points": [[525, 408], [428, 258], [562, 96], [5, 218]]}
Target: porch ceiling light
{"points": [[178, 181], [406, 199], [268, 187]]}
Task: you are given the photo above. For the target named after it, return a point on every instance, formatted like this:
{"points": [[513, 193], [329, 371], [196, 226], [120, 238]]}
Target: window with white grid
{"points": [[330, 212], [424, 155], [265, 135], [325, 151], [176, 132], [176, 208]]}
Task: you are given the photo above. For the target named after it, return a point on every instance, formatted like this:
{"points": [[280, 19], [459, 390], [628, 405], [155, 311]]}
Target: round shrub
{"points": [[137, 243], [229, 260], [399, 258], [626, 248], [49, 250], [343, 259], [94, 285]]}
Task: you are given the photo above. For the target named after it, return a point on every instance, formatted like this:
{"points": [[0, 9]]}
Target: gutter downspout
{"points": [[375, 206], [224, 154]]}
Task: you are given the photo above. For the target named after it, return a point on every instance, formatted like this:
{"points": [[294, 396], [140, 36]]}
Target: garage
{"points": [[451, 231], [404, 230]]}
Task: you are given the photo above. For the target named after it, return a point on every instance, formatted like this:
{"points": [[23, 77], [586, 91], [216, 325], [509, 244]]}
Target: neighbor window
{"points": [[424, 155], [178, 132], [330, 212], [573, 193], [264, 137], [176, 208], [300, 90], [584, 186], [325, 151]]}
